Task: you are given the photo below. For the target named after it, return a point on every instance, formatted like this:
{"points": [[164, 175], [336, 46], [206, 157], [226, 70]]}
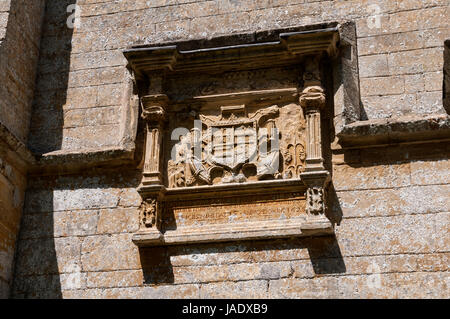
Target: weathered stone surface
{"points": [[255, 289], [66, 199], [233, 272], [48, 256], [393, 285], [19, 56], [160, 292], [430, 172], [405, 200], [129, 197], [382, 86], [119, 220], [238, 253], [391, 43], [14, 158], [396, 234], [319, 287], [66, 95], [373, 65], [114, 279], [109, 252], [371, 177]]}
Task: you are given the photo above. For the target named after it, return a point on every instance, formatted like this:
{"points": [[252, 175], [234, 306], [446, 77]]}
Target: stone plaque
{"points": [[233, 146], [239, 210]]}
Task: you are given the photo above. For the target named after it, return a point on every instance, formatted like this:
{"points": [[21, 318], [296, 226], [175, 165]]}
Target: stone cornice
{"points": [[60, 162], [281, 48], [405, 129], [14, 150]]}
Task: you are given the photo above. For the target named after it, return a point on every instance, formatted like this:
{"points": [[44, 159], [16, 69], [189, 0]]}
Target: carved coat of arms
{"points": [[230, 149]]}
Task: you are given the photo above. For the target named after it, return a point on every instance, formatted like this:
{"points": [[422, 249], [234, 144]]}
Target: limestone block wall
{"points": [[20, 24], [392, 241], [81, 70], [12, 190], [392, 201]]}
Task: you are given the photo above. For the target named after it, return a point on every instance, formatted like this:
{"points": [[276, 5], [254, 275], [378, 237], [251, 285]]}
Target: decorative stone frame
{"points": [[314, 50]]}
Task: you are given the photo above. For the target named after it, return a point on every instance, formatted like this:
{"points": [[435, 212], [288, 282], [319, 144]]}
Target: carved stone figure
{"points": [[269, 155], [231, 148], [150, 214]]}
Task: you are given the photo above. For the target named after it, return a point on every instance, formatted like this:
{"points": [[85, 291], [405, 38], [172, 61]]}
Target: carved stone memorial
{"points": [[233, 139]]}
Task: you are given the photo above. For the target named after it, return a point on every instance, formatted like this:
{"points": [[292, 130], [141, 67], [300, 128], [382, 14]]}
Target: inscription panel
{"points": [[234, 210]]}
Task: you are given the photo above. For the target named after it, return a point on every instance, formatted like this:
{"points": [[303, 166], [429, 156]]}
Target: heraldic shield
{"points": [[233, 145]]}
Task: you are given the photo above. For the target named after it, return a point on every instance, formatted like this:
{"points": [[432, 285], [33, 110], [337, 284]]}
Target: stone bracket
{"points": [[317, 183], [406, 129], [244, 231]]}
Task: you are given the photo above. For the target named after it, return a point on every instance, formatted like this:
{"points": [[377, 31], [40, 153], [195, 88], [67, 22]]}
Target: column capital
{"points": [[154, 107], [312, 97]]}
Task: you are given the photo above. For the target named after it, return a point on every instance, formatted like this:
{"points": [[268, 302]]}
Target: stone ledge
{"points": [[404, 129], [14, 150], [273, 229], [76, 160]]}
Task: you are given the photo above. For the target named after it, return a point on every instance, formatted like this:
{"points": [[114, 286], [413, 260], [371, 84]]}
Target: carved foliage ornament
{"points": [[315, 199]]}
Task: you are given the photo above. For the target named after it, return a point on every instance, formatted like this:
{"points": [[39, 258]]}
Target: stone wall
{"points": [[392, 241], [81, 70], [20, 24], [12, 190], [391, 201]]}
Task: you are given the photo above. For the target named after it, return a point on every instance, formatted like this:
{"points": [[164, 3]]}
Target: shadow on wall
{"points": [[50, 99], [36, 273], [70, 226], [324, 254], [36, 267]]}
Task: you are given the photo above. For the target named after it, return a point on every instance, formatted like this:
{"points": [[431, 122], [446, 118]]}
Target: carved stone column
{"points": [[312, 99], [151, 188], [315, 177], [154, 113]]}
